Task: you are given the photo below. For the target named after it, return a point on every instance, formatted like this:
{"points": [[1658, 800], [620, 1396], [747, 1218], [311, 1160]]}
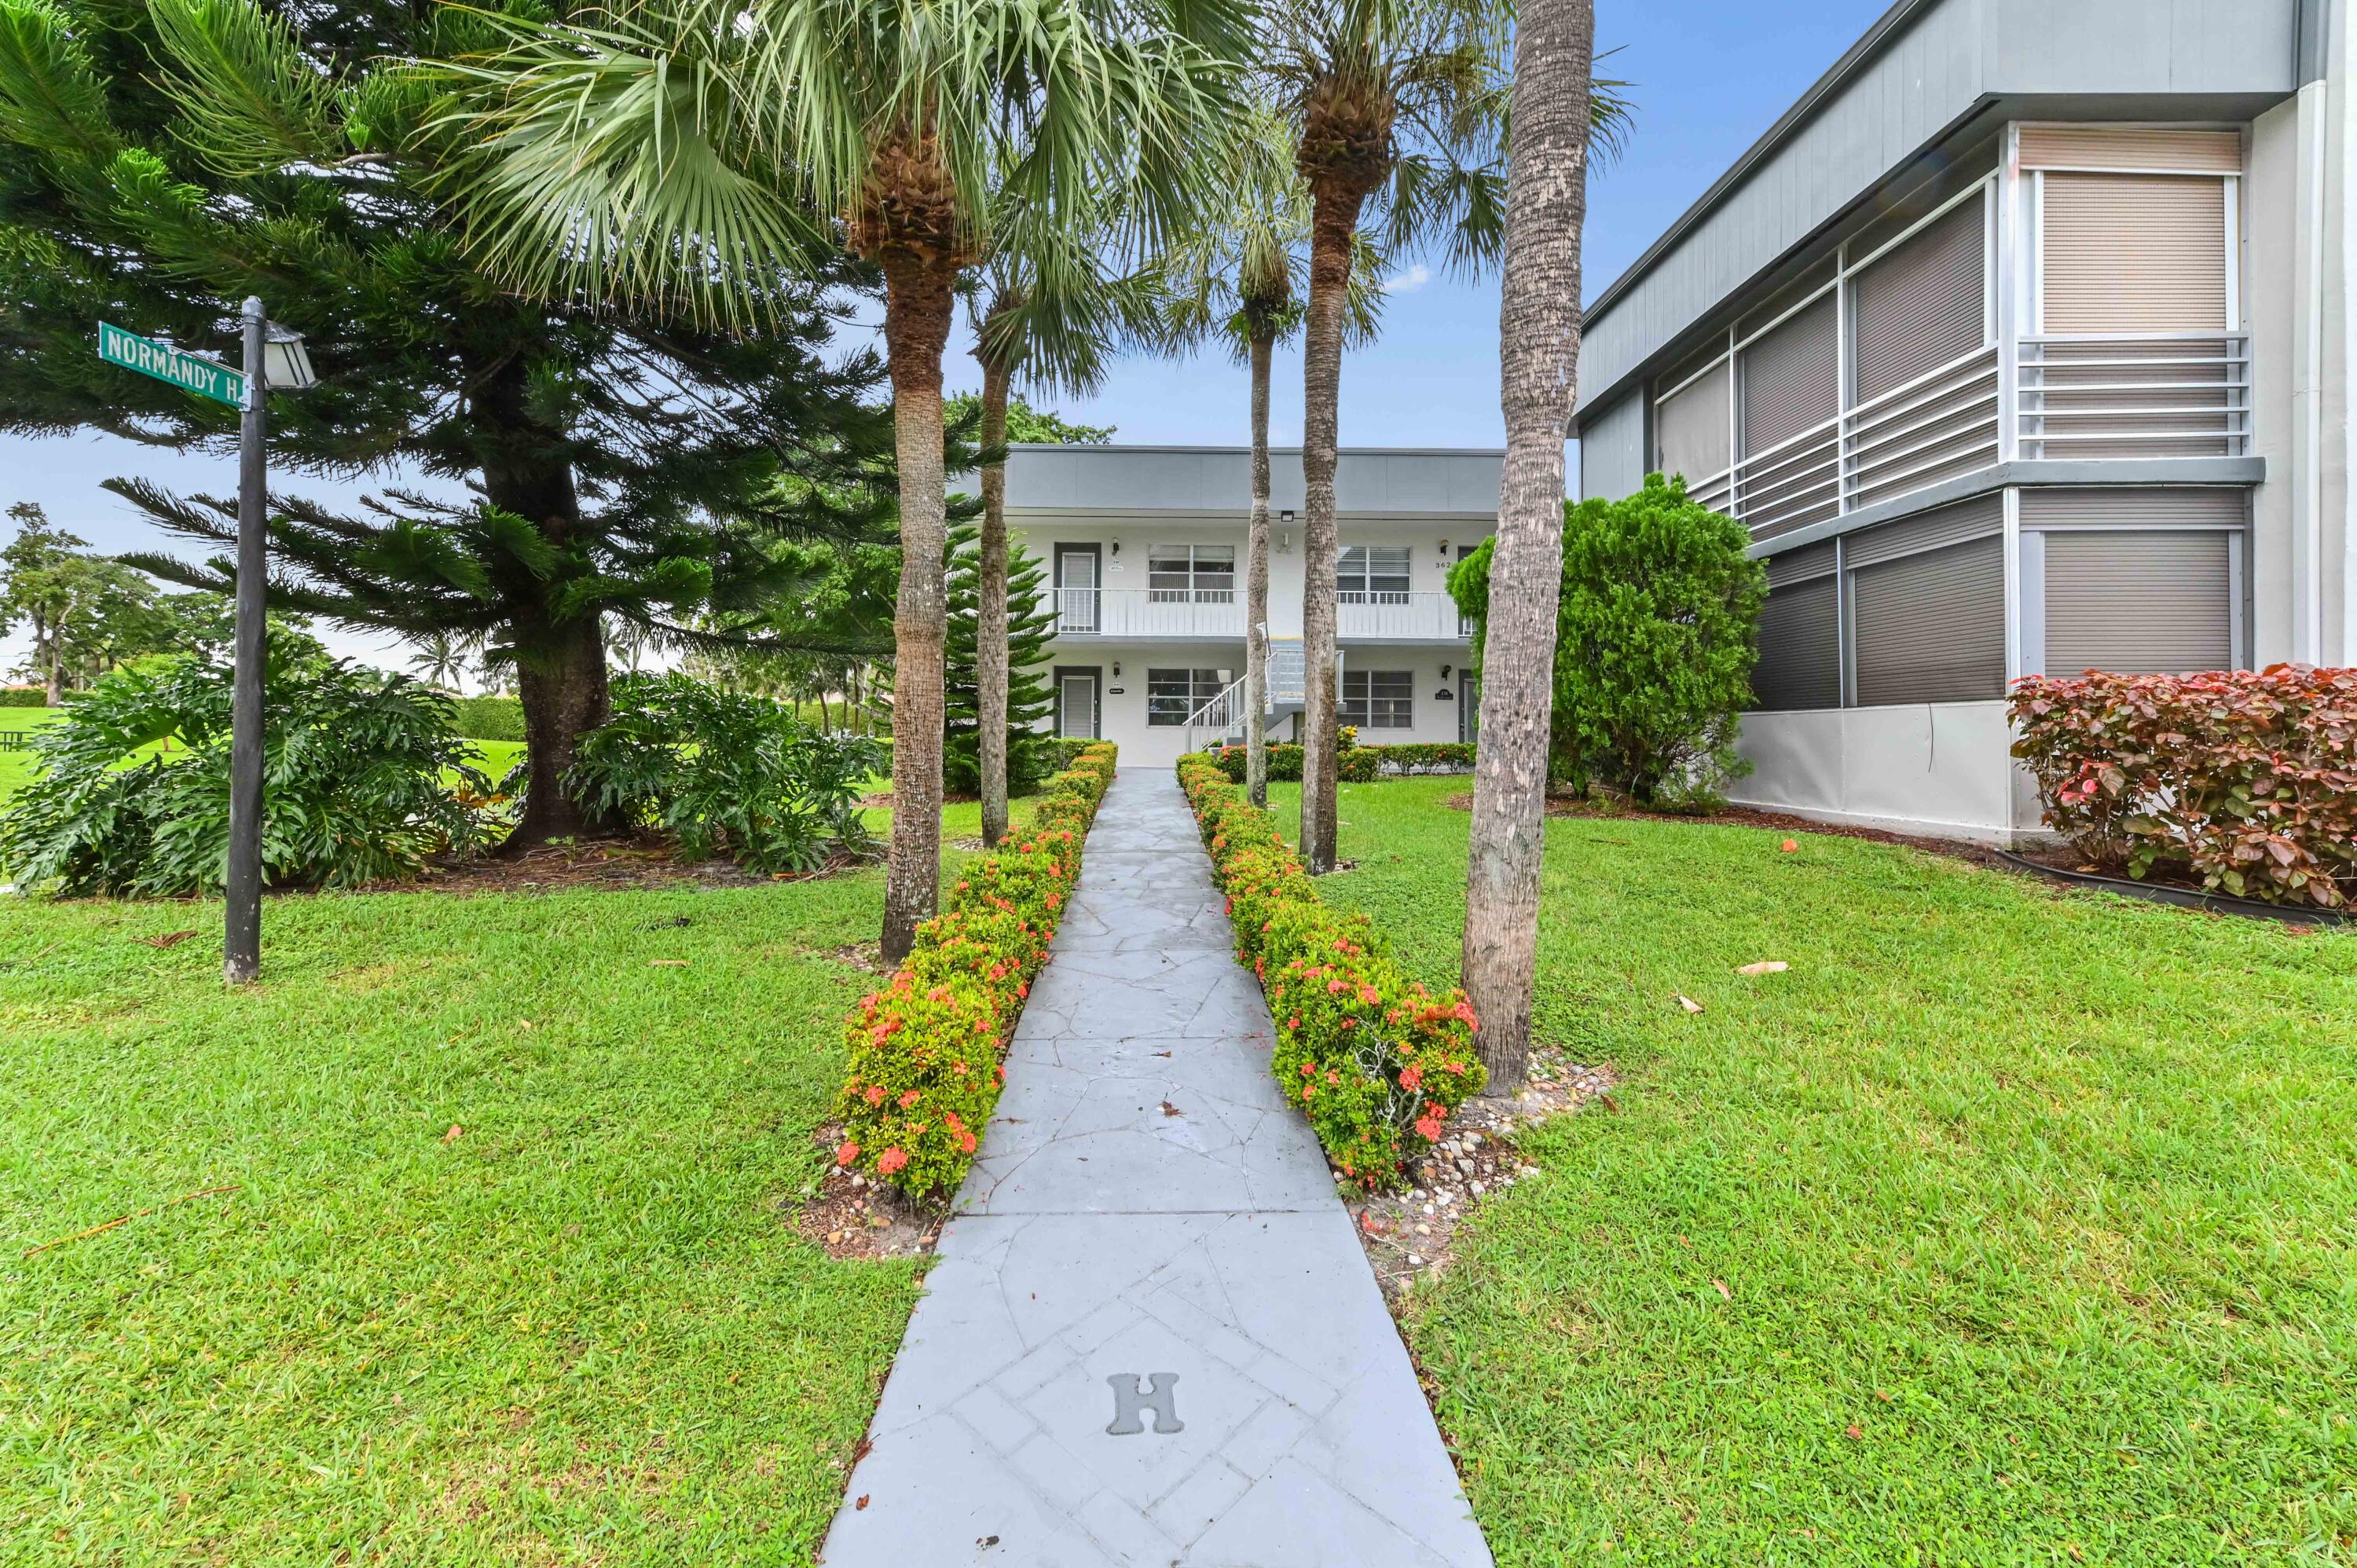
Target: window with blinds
{"points": [[1692, 430], [1800, 633], [1196, 573], [1927, 607], [1923, 304], [1379, 699], [2156, 603], [2133, 253], [1792, 385], [1173, 696], [1372, 574]]}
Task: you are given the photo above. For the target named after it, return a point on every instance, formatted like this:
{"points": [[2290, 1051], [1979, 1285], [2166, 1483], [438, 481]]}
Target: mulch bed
{"points": [[1413, 1233], [1745, 817], [852, 1217], [643, 862]]}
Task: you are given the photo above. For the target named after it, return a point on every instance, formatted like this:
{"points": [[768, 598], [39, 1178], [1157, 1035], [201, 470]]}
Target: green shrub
{"points": [[926, 1051], [1355, 764], [490, 718], [130, 793], [23, 697], [1377, 1063], [724, 772], [1656, 631]]}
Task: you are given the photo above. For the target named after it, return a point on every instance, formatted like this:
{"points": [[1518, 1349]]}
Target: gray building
{"points": [[2021, 344]]}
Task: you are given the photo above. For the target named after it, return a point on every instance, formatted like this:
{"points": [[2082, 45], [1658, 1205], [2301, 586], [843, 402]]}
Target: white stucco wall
{"points": [[1942, 768]]}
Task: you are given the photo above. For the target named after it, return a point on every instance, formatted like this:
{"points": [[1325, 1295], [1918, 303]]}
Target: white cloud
{"points": [[1408, 282]]}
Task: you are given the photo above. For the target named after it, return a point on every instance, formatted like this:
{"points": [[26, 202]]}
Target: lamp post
{"points": [[273, 357]]}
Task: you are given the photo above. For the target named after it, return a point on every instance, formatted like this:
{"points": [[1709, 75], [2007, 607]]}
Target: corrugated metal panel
{"points": [[1791, 378], [1895, 211], [1973, 519], [1898, 100], [1799, 566], [2134, 252], [2139, 604], [1924, 305], [1612, 455], [1693, 429], [1800, 648], [2129, 507], [2095, 146], [1930, 628]]}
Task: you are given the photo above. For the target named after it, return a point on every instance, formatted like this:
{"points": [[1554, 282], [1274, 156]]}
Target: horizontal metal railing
{"points": [[2180, 394], [1147, 614]]}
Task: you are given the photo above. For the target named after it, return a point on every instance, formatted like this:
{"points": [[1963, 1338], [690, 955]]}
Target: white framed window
{"points": [[1373, 574], [1192, 573], [1173, 696], [1379, 699]]}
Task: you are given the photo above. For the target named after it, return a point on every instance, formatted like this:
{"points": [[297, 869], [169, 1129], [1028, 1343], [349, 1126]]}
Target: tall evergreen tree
{"points": [[1029, 752], [160, 160]]}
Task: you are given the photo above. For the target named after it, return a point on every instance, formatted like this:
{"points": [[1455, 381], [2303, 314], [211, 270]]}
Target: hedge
{"points": [[2246, 781], [490, 718], [1356, 764], [1377, 1063], [926, 1051], [24, 697]]}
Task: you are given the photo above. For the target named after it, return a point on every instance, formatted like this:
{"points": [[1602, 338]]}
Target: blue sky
{"points": [[1710, 76]]}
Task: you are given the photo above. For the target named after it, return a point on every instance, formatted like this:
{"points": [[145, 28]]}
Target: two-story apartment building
{"points": [[2020, 345], [1145, 548]]}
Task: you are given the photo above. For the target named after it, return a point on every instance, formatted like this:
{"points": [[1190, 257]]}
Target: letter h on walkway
{"points": [[1163, 1400]]}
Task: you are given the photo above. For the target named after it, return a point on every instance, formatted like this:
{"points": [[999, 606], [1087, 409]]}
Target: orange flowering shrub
{"points": [[927, 1051], [1376, 1062]]}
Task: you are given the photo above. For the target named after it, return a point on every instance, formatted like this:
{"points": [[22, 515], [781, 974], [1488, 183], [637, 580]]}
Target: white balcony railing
{"points": [[2146, 396], [1941, 423], [1148, 615]]}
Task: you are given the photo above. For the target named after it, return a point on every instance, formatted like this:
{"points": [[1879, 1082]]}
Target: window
{"points": [[1192, 573], [1173, 696], [1372, 575], [1379, 699], [1693, 431]]}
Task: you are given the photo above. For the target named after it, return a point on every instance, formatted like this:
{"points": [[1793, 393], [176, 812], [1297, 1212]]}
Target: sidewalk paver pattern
{"points": [[1150, 1337]]}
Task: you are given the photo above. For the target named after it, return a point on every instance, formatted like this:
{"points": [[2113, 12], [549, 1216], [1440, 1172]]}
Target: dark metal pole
{"points": [[241, 948]]}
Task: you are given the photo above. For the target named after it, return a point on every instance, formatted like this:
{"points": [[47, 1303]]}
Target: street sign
{"points": [[186, 371]]}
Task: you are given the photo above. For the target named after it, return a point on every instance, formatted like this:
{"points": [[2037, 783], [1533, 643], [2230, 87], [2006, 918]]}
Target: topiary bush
{"points": [[725, 773], [927, 1051], [1657, 629], [24, 697], [130, 792], [1356, 764], [1377, 1063], [489, 719], [2245, 781]]}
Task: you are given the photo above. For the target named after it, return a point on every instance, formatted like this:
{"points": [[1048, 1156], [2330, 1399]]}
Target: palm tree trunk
{"points": [[1256, 584], [1335, 219], [990, 623], [917, 308], [1546, 203]]}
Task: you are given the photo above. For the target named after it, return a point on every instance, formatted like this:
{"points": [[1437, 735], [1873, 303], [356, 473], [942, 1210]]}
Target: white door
{"points": [[1076, 590], [1076, 705]]}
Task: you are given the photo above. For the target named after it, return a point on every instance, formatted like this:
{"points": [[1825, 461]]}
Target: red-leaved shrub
{"points": [[2246, 781], [1377, 1063], [926, 1050]]}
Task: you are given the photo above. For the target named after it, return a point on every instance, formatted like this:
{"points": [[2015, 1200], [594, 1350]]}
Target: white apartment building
{"points": [[2021, 344], [1145, 549]]}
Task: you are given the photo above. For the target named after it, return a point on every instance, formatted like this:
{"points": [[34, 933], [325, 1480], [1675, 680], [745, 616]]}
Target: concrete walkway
{"points": [[1150, 1338]]}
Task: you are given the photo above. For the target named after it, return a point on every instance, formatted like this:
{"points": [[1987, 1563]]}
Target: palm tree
{"points": [[690, 151], [1242, 280], [1400, 102], [1555, 126], [441, 659], [1048, 310]]}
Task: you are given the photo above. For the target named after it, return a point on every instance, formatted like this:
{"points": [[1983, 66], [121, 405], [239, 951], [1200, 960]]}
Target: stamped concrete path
{"points": [[1150, 1337]]}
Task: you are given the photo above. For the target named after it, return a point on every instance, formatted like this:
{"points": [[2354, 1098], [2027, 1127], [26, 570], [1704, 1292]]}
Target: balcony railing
{"points": [[1162, 614], [2147, 396], [1941, 423]]}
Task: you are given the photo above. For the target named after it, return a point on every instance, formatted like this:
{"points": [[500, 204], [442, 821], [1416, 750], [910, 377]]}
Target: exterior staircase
{"points": [[1221, 721]]}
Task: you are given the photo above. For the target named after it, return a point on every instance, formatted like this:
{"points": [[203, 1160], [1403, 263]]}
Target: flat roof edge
{"points": [[1246, 451]]}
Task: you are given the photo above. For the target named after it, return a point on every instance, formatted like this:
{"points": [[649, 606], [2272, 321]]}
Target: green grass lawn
{"points": [[2037, 1212], [583, 1330]]}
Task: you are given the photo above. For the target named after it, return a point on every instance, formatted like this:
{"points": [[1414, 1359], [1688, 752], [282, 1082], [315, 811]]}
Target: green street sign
{"points": [[186, 371]]}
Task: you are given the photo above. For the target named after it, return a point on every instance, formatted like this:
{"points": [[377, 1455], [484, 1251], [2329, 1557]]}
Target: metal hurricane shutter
{"points": [[2156, 603], [1922, 306], [1800, 647], [2134, 252], [1973, 519], [1791, 378], [1692, 431], [2130, 506], [2106, 147], [1931, 626]]}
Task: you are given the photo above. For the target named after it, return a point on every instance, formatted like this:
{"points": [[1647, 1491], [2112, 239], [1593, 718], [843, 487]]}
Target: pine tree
{"points": [[160, 160], [1030, 756]]}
